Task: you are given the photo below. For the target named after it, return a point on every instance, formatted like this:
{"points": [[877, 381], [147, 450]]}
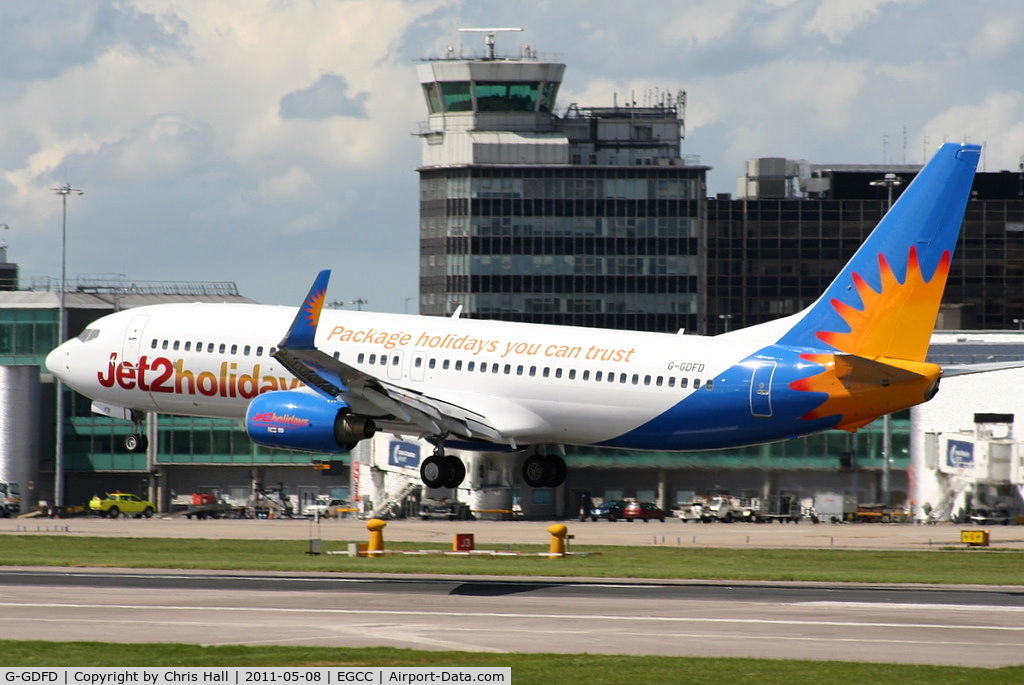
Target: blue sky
{"points": [[260, 141]]}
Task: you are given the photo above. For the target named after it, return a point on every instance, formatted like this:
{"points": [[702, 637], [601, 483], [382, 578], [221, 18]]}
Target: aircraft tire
{"points": [[433, 472], [455, 470], [557, 471], [535, 471]]}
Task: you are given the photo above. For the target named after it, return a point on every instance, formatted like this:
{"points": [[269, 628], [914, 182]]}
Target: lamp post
{"points": [[58, 460], [890, 181], [726, 318]]}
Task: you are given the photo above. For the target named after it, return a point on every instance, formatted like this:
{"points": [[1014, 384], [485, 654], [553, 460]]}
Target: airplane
{"points": [[337, 377]]}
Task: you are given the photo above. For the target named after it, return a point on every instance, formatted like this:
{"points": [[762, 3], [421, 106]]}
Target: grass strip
{"points": [[987, 566], [526, 668]]}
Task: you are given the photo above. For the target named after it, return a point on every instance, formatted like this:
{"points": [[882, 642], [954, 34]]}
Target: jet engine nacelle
{"points": [[298, 421]]}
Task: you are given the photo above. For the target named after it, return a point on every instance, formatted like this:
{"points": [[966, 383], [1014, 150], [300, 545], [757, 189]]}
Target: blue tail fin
{"points": [[303, 330], [885, 300]]}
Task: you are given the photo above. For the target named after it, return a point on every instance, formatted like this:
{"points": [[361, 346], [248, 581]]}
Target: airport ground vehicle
{"points": [[643, 511], [10, 499], [726, 508], [781, 508], [208, 506], [113, 504], [326, 508], [611, 510]]}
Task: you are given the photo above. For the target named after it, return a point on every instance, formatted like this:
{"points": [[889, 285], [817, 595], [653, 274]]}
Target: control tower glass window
{"points": [[457, 96], [433, 93], [547, 97], [506, 97]]}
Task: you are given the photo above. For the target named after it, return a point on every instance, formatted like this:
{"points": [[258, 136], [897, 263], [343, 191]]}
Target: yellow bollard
{"points": [[558, 534], [375, 547]]}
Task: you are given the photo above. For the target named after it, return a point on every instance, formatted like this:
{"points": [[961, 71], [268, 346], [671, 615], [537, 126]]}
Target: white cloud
{"points": [[169, 115]]}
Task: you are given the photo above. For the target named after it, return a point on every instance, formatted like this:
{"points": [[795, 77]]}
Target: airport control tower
{"points": [[591, 218]]}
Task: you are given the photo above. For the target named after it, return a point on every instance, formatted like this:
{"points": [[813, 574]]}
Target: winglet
{"points": [[303, 329]]}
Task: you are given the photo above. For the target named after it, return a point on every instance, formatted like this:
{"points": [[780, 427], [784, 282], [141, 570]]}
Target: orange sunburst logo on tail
{"points": [[897, 320], [314, 305], [892, 326]]}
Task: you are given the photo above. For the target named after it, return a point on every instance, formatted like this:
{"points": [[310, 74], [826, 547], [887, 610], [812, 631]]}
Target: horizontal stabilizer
{"points": [[857, 371], [966, 369]]}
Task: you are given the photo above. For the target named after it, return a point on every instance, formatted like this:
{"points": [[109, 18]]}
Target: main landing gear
{"points": [[136, 441], [544, 471], [442, 471], [446, 471]]}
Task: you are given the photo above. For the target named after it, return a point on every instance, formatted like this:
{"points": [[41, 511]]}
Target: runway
{"points": [[918, 625]]}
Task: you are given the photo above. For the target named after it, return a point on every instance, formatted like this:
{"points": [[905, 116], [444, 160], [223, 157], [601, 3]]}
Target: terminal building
{"points": [[592, 217]]}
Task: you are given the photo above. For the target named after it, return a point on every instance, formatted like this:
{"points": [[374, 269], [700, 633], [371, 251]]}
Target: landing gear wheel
{"points": [[136, 442], [535, 473], [544, 471], [557, 471], [433, 472], [456, 471]]}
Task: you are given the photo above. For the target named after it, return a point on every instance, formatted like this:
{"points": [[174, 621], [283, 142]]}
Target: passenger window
{"points": [[659, 380], [636, 379], [247, 350], [336, 355], [383, 360], [508, 369], [458, 365], [209, 348], [470, 366], [519, 370], [445, 364], [164, 345], [572, 374], [432, 364], [234, 350], [394, 360], [558, 372], [671, 381], [547, 372], [710, 384], [373, 359], [622, 378], [359, 359], [223, 348], [647, 380], [696, 383], [598, 375], [494, 367], [259, 351], [188, 345], [533, 371], [586, 374], [153, 344], [684, 382]]}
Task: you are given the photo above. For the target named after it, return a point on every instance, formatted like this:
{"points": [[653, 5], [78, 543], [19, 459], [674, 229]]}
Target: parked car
{"points": [[611, 510], [325, 508], [644, 511], [113, 504]]}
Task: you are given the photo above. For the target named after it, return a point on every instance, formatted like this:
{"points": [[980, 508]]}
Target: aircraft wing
{"points": [[366, 393]]}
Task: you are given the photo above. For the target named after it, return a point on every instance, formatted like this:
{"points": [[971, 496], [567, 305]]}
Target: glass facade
{"points": [[586, 246], [768, 257]]}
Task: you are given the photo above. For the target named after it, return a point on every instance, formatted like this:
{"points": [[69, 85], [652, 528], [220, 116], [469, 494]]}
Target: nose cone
{"points": [[57, 362]]}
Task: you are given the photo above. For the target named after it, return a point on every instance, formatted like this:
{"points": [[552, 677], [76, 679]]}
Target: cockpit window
{"points": [[88, 334]]}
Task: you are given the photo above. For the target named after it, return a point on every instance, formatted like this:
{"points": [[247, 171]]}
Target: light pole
{"points": [[890, 181], [726, 318], [58, 460]]}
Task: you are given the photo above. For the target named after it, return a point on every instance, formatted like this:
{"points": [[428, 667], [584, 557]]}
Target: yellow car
{"points": [[113, 504]]}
